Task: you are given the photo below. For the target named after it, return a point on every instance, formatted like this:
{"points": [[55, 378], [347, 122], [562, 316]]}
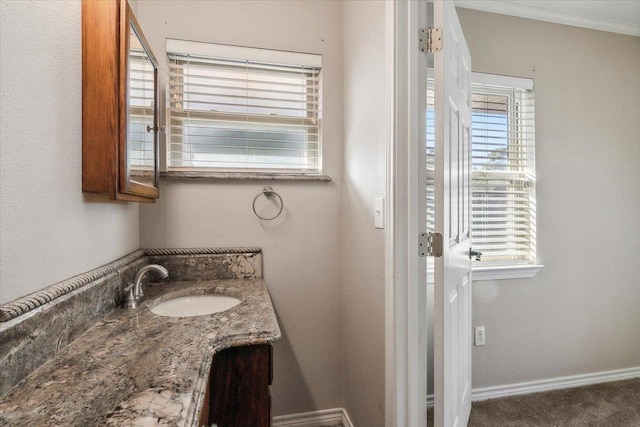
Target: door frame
{"points": [[405, 317]]}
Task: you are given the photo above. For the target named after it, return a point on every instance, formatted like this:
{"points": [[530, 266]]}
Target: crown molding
{"points": [[549, 15]]}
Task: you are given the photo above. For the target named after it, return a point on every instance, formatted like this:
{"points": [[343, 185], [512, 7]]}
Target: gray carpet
{"points": [[614, 404]]}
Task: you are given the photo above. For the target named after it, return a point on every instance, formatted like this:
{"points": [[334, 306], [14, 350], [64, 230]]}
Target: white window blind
{"points": [[237, 113], [503, 173], [503, 169]]}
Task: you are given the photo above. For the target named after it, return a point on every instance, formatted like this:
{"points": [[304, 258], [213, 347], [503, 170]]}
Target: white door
{"points": [[452, 304]]}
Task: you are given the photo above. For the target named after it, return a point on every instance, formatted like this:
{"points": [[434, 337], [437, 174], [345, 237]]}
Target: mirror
{"points": [[142, 130], [139, 160]]}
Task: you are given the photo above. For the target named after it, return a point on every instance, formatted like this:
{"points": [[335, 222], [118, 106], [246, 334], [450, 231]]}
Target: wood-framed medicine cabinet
{"points": [[119, 104]]}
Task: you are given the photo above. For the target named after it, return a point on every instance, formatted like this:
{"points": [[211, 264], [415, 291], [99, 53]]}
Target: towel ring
{"points": [[268, 193]]}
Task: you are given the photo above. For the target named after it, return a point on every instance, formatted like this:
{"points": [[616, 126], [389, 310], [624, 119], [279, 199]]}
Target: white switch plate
{"points": [[479, 335], [378, 213]]}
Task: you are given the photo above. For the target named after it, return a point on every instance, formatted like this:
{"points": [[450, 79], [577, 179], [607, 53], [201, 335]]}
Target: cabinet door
{"points": [[239, 387], [138, 150]]}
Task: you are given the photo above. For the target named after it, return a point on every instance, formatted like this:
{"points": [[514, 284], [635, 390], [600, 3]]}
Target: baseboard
{"points": [[554, 383], [337, 416], [322, 418], [557, 383]]}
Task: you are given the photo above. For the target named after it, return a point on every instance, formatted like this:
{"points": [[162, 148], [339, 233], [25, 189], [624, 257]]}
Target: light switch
{"points": [[378, 213]]}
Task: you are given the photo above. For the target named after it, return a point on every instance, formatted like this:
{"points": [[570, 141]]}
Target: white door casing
{"points": [[405, 283], [405, 305], [452, 305]]}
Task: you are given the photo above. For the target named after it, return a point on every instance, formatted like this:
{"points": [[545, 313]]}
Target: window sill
{"points": [[505, 272], [206, 175]]}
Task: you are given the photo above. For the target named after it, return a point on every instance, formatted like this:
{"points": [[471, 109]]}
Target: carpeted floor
{"points": [[614, 404]]}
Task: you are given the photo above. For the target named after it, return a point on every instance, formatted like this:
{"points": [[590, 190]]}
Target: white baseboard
{"points": [[322, 418], [557, 383], [554, 383], [336, 416]]}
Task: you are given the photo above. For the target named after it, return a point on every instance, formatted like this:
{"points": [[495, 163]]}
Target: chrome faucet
{"points": [[134, 289]]}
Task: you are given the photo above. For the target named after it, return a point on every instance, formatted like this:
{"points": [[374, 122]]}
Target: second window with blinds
{"points": [[238, 109], [503, 175]]}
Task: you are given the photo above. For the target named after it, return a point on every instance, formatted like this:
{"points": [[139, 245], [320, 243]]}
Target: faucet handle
{"points": [[130, 300]]}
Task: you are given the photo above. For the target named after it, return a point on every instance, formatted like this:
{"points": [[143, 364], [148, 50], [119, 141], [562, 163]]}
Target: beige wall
{"points": [[364, 180], [49, 231], [580, 313], [303, 248]]}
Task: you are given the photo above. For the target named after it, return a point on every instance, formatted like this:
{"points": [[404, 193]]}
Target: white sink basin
{"points": [[195, 305]]}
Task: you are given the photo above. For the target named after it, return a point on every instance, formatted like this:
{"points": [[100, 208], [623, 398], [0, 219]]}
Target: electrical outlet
{"points": [[479, 337]]}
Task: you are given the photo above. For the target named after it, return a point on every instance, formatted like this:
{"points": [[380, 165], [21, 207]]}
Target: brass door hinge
{"points": [[430, 244], [430, 40]]}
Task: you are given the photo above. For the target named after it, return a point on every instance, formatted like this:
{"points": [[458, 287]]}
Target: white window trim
{"points": [[500, 80], [526, 271], [512, 271], [204, 175], [506, 270], [242, 53], [268, 56]]}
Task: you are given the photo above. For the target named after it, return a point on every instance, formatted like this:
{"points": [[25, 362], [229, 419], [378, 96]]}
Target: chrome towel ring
{"points": [[268, 193]]}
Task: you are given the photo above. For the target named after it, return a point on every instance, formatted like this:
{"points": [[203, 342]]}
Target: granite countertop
{"points": [[134, 368]]}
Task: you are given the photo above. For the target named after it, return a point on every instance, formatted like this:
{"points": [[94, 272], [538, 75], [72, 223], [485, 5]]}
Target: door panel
{"points": [[454, 123], [452, 305]]}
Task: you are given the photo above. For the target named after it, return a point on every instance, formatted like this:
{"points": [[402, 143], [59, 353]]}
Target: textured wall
{"points": [[49, 231], [580, 313], [364, 180], [302, 248]]}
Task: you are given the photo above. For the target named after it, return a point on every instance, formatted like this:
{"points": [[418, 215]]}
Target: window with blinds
{"points": [[242, 109], [503, 207]]}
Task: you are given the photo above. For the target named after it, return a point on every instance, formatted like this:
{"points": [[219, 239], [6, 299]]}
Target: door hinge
{"points": [[430, 244], [430, 40]]}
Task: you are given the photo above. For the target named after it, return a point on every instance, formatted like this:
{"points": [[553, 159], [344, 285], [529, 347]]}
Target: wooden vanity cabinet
{"points": [[239, 394], [119, 104]]}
